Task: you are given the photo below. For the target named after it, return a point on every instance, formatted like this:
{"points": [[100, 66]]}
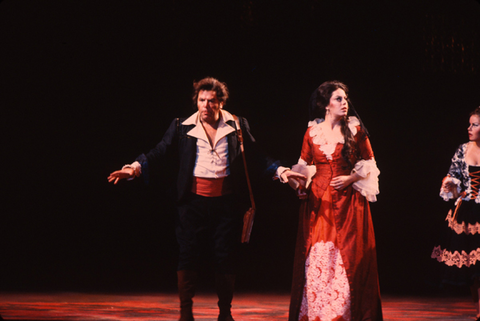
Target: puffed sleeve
{"points": [[367, 168], [454, 175]]}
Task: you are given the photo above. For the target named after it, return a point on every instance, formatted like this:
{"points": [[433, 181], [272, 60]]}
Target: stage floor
{"points": [[164, 306]]}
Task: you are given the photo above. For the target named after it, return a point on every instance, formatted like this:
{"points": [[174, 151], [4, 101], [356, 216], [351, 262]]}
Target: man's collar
{"points": [[198, 132], [193, 119]]}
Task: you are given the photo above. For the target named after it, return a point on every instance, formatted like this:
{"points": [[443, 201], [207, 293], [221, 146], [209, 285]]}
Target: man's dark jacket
{"points": [[178, 145]]}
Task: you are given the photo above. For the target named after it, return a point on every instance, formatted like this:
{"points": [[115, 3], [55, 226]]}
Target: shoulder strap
{"points": [[242, 149]]}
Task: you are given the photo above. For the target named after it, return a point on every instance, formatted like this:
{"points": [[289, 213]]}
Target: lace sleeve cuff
{"points": [[137, 168], [302, 168], [444, 193], [368, 185]]}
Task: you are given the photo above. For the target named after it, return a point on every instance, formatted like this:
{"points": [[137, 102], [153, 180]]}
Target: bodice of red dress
{"points": [[333, 165]]}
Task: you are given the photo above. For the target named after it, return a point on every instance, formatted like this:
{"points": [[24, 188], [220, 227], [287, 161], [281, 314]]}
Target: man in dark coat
{"points": [[211, 189]]}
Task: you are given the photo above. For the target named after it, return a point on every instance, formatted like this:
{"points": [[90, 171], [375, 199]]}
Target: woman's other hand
{"points": [[343, 181]]}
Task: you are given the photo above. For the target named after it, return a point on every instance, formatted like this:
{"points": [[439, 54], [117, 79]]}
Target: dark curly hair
{"points": [[210, 83]]}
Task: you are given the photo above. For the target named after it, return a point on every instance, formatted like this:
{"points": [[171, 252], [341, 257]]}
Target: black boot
{"points": [[186, 290], [224, 284]]}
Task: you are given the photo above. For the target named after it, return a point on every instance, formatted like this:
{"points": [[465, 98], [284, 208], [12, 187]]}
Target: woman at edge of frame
{"points": [[335, 273], [461, 251]]}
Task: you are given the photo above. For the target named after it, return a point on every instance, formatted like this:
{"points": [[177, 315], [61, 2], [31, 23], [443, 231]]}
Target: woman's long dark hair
{"points": [[320, 99]]}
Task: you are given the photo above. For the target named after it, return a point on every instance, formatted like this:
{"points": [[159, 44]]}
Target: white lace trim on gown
{"points": [[463, 227], [326, 294], [325, 145], [456, 258]]}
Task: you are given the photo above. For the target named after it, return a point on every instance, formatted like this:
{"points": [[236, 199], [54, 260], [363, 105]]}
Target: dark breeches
{"points": [[208, 224]]}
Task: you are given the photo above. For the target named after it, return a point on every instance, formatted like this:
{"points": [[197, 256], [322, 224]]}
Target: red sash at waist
{"points": [[212, 187]]}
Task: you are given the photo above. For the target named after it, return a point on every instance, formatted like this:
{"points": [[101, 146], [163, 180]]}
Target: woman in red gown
{"points": [[335, 270]]}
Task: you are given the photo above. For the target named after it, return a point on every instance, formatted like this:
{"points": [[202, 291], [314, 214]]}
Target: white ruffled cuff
{"points": [[444, 193], [302, 168], [137, 168], [368, 185]]}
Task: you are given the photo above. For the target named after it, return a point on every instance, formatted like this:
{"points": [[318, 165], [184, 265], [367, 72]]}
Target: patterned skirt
{"points": [[460, 251]]}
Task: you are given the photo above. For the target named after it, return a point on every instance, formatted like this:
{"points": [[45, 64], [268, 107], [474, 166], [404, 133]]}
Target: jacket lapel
{"points": [[233, 146]]}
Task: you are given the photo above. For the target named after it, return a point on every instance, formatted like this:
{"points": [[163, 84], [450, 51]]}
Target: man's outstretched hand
{"points": [[121, 174]]}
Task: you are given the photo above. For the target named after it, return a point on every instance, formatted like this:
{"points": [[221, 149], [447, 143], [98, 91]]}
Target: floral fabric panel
{"points": [[456, 258], [326, 295]]}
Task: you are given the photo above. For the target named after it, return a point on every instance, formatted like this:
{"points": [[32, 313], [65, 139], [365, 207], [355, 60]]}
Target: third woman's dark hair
{"points": [[476, 112]]}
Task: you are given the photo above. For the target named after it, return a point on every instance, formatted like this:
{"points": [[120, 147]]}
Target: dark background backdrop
{"points": [[86, 86]]}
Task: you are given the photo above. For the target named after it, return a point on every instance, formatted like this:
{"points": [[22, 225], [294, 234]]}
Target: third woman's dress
{"points": [[461, 251], [335, 271]]}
